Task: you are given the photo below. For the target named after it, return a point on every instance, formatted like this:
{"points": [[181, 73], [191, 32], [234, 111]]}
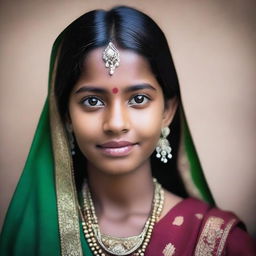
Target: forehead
{"points": [[133, 68]]}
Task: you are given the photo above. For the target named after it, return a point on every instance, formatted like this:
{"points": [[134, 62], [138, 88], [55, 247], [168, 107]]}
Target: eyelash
{"points": [[144, 97], [101, 104], [90, 105]]}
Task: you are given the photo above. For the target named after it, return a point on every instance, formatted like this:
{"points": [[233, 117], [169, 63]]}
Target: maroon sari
{"points": [[192, 227]]}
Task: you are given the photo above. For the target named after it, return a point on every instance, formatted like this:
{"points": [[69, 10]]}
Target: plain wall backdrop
{"points": [[214, 48]]}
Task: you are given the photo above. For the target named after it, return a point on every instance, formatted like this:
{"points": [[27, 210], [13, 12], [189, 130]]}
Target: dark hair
{"points": [[129, 29]]}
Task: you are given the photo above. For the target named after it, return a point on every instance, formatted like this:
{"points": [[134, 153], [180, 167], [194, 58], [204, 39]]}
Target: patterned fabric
{"points": [[192, 227]]}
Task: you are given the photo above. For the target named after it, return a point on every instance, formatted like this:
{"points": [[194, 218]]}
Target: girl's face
{"points": [[117, 119]]}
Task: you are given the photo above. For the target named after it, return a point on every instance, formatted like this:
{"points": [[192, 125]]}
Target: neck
{"points": [[128, 192]]}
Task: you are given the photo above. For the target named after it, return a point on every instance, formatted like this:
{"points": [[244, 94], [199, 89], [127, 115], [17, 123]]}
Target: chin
{"points": [[119, 166]]}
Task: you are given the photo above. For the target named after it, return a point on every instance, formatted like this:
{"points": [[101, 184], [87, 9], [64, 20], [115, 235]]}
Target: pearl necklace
{"points": [[100, 244]]}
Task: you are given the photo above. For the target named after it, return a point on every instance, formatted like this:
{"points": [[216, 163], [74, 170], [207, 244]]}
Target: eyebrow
{"points": [[91, 89], [138, 87], [100, 90]]}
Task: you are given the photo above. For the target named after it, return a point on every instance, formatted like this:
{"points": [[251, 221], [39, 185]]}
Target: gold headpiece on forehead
{"points": [[111, 58]]}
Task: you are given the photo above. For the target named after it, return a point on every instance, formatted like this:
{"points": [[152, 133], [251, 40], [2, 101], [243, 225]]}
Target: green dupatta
{"points": [[42, 218]]}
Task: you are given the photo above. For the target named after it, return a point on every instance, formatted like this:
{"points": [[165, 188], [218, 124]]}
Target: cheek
{"points": [[149, 124], [84, 125]]}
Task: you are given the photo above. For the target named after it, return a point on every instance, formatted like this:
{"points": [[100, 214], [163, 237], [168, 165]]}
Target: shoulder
{"points": [[240, 243], [190, 207], [221, 233], [215, 228], [206, 230]]}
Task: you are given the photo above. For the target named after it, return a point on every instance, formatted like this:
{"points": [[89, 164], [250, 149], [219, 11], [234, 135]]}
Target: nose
{"points": [[116, 119]]}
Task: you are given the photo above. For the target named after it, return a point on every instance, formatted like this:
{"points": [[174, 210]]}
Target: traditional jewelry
{"points": [[71, 139], [100, 244], [163, 149], [111, 58]]}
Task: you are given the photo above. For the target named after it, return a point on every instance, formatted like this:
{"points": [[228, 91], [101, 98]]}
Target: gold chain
{"points": [[100, 244]]}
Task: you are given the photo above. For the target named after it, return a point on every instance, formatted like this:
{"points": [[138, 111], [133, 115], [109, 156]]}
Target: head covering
{"points": [[43, 218]]}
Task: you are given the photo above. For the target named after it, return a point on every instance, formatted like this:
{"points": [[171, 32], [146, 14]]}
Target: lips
{"points": [[116, 148], [116, 144]]}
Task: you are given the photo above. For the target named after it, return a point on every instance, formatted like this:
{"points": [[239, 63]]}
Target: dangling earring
{"points": [[163, 148], [71, 139]]}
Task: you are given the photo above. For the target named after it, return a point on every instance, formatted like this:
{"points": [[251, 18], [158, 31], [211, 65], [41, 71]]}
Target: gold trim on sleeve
{"points": [[224, 236], [213, 237], [211, 233]]}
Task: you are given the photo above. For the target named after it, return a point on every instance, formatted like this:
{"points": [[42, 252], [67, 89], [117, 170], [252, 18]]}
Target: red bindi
{"points": [[115, 90]]}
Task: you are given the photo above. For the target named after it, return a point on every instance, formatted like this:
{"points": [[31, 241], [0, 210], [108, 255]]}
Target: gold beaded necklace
{"points": [[102, 244]]}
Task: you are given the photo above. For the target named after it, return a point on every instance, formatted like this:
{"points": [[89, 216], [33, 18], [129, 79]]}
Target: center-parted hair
{"points": [[132, 30]]}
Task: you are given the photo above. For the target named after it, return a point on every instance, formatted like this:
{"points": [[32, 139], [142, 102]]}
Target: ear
{"points": [[170, 109]]}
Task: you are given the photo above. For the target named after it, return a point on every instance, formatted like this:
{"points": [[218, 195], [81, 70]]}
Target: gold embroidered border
{"points": [[66, 193], [213, 238], [224, 236], [209, 237]]}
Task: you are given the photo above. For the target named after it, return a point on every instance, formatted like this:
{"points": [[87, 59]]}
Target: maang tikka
{"points": [[163, 149], [111, 58]]}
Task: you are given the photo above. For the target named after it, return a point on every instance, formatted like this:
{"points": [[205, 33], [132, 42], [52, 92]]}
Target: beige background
{"points": [[214, 49]]}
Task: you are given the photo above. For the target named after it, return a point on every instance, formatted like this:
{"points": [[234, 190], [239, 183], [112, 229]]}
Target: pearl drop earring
{"points": [[163, 148]]}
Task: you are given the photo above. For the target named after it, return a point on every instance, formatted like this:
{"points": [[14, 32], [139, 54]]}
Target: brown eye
{"points": [[139, 100], [92, 102]]}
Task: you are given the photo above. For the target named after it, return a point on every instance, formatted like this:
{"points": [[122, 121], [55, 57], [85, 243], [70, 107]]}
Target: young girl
{"points": [[88, 187]]}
